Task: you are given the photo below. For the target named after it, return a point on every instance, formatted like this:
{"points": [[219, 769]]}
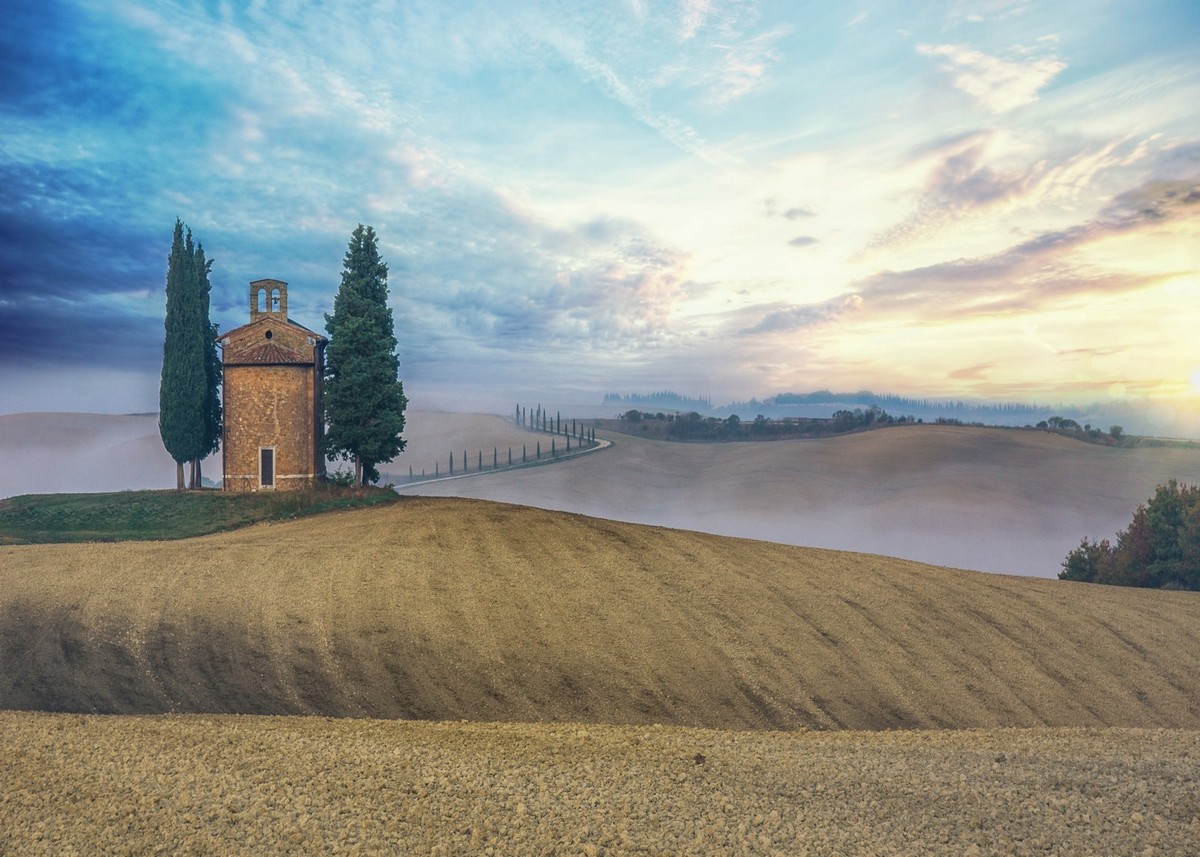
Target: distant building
{"points": [[274, 422]]}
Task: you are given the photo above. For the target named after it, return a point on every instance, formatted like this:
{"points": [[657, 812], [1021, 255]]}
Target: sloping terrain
{"points": [[456, 609], [1008, 501]]}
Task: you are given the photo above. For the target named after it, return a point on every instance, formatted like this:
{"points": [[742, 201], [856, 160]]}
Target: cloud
{"points": [[770, 208], [997, 85], [792, 318], [1032, 275], [744, 64], [1039, 271], [803, 241], [673, 130], [960, 178], [725, 54], [970, 174], [492, 277], [971, 373], [88, 331], [693, 14], [981, 11]]}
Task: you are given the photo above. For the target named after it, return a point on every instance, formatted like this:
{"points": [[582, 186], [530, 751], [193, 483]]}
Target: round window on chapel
{"points": [[269, 334]]}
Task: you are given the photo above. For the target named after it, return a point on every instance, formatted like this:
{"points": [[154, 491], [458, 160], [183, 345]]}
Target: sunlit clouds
{"points": [[995, 200], [998, 85]]}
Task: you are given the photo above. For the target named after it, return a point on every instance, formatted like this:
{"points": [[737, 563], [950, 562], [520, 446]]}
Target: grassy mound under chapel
{"points": [[147, 515]]}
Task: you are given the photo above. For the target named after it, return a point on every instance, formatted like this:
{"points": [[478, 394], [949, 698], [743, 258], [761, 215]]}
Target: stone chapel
{"points": [[271, 393]]}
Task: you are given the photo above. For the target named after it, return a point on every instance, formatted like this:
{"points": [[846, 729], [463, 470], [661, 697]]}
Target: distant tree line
{"points": [[663, 399], [1062, 425], [693, 426], [866, 398], [1159, 549]]}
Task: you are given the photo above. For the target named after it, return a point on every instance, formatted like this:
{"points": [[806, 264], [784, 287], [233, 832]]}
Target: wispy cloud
{"points": [[797, 213], [998, 85], [744, 63], [693, 14], [981, 11], [1027, 277], [671, 129], [971, 175], [970, 373], [792, 318]]}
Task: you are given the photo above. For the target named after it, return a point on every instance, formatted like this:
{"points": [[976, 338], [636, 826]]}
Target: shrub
{"points": [[1160, 548], [341, 478]]}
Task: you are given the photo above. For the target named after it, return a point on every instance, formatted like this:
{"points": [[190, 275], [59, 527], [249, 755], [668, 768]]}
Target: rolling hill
{"points": [[447, 609], [999, 500]]}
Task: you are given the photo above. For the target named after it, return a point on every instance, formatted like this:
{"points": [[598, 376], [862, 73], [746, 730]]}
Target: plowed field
{"points": [[448, 609]]}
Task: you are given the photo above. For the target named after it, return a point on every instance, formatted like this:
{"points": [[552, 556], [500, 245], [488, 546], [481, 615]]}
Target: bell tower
{"points": [[268, 298]]}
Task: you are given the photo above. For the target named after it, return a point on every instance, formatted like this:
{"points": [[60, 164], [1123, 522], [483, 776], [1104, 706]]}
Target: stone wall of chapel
{"points": [[269, 405]]}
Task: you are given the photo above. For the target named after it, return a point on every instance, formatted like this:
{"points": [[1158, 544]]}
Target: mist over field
{"points": [[995, 500], [46, 453], [985, 499]]}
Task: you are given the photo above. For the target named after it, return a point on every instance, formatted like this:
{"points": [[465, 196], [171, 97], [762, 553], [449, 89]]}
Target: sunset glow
{"points": [[992, 200]]}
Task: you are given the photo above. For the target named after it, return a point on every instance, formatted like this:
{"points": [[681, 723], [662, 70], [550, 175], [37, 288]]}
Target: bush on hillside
{"points": [[1160, 548]]}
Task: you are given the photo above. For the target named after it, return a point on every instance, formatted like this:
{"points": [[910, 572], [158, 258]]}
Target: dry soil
{"points": [[450, 608], [72, 784], [586, 636]]}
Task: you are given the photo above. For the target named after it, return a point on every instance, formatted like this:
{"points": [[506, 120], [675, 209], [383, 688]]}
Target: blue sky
{"points": [[996, 200]]}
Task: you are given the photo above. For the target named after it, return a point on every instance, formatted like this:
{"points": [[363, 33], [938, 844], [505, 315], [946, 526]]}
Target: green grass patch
{"points": [[140, 515]]}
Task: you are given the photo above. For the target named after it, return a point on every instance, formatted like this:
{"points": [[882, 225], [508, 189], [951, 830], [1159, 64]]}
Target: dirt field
{"points": [[446, 609], [215, 785], [584, 635]]}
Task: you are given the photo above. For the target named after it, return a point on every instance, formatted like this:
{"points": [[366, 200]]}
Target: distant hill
{"points": [[454, 609], [1137, 417], [982, 498]]}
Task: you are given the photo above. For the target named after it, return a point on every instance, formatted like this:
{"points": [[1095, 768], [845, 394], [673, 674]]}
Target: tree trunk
{"points": [[199, 475], [358, 471], [178, 475]]}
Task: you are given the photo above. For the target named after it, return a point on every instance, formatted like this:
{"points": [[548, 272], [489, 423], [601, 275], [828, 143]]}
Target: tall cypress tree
{"points": [[186, 419], [364, 398], [212, 414]]}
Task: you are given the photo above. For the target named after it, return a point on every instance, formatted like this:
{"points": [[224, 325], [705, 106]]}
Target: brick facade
{"points": [[274, 424]]}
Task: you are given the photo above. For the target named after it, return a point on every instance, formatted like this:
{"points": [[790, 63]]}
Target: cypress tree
{"points": [[183, 386], [364, 398], [212, 363]]}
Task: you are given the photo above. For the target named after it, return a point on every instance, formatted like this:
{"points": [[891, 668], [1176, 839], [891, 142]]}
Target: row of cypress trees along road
{"points": [[364, 398], [189, 402]]}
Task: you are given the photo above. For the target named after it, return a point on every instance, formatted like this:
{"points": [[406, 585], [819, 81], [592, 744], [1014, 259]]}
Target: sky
{"points": [[994, 200]]}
